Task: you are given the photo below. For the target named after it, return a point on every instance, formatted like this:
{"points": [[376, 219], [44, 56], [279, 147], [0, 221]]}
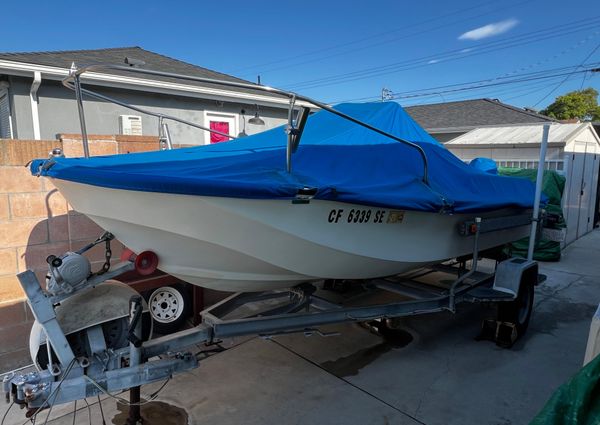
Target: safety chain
{"points": [[107, 255]]}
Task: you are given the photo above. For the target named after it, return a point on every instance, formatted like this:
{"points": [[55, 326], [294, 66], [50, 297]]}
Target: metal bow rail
{"points": [[294, 127]]}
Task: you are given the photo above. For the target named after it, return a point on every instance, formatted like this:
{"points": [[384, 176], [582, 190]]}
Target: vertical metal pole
{"points": [[79, 96], [161, 137], [167, 136], [538, 191], [290, 137], [135, 355]]}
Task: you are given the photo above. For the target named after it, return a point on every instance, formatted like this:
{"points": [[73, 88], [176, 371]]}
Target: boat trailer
{"points": [[78, 357]]}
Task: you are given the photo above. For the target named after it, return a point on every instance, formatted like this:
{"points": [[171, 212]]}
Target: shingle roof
{"points": [[468, 114], [154, 61]]}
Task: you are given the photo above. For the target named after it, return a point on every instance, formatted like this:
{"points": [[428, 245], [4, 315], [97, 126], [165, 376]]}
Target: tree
{"points": [[580, 104]]}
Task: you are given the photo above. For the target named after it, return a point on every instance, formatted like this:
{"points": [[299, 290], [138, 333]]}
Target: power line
{"points": [[369, 46], [529, 92], [508, 74], [477, 84], [579, 26], [489, 85], [481, 48], [426, 61], [360, 40], [493, 92], [566, 78]]}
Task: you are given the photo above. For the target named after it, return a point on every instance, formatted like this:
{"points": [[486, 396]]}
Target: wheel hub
{"points": [[166, 304]]}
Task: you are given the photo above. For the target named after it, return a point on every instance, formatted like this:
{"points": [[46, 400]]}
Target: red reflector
{"points": [[473, 228], [146, 263]]}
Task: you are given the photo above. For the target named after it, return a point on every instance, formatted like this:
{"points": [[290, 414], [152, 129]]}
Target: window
{"points": [[551, 164], [220, 121], [5, 119]]}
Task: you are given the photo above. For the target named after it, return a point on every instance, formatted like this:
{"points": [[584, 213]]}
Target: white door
{"points": [[586, 193], [222, 122], [573, 199], [594, 188]]}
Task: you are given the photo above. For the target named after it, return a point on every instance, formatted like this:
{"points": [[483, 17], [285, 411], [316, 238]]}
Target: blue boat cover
{"points": [[343, 161], [487, 165]]}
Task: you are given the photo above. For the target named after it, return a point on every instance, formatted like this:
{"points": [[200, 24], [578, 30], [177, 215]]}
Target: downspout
{"points": [[33, 97]]}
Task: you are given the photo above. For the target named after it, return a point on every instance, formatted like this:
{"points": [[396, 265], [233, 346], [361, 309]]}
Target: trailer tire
{"points": [[169, 307], [518, 311]]}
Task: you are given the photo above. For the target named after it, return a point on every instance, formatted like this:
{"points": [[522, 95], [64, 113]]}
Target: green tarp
{"points": [[575, 403], [553, 185]]}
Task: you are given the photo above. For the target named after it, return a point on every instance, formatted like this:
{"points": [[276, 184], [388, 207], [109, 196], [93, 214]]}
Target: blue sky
{"points": [[341, 50]]}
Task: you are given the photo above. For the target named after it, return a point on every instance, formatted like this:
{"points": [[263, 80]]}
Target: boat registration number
{"points": [[359, 215]]}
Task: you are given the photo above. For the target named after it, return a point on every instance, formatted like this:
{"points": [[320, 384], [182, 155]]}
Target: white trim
{"points": [[234, 119], [33, 97], [119, 81]]}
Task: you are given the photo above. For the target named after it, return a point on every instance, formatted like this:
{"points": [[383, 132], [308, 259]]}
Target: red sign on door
{"points": [[221, 126]]}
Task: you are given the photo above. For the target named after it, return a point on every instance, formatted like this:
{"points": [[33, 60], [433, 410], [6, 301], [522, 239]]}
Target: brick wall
{"points": [[35, 221]]}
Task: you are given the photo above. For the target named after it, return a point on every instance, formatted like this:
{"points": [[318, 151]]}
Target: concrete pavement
{"points": [[443, 376]]}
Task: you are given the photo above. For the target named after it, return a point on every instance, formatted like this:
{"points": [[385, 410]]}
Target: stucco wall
{"points": [[58, 112]]}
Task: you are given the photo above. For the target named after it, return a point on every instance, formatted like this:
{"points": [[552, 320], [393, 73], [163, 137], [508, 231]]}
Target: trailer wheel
{"points": [[518, 311], [169, 307]]}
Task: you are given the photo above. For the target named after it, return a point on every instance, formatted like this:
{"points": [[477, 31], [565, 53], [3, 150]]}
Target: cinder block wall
{"points": [[35, 221]]}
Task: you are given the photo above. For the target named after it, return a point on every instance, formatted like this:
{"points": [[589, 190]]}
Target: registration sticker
{"points": [[395, 217]]}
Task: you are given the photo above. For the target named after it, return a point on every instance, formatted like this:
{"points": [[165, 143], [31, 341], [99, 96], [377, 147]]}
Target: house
{"points": [[446, 121], [34, 105], [573, 150]]}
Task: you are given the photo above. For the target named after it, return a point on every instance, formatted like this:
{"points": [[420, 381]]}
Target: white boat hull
{"points": [[232, 244]]}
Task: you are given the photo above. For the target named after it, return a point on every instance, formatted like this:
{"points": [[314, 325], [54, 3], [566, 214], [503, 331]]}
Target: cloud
{"points": [[467, 50], [433, 61], [489, 30]]}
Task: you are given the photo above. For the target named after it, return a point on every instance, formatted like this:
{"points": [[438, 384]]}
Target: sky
{"points": [[427, 51]]}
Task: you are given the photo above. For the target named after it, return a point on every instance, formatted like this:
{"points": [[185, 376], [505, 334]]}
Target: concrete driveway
{"points": [[443, 376]]}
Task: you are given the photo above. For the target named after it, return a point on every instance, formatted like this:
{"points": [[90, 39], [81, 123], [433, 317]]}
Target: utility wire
{"points": [[505, 75], [481, 48], [423, 62], [489, 80], [392, 40], [567, 77], [442, 56], [474, 85], [488, 85], [371, 37], [493, 92]]}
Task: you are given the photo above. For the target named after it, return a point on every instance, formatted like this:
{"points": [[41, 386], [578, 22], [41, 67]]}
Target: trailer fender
{"points": [[90, 307], [514, 272]]}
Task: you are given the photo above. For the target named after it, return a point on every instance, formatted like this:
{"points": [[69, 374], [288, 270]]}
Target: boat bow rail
{"points": [[297, 115]]}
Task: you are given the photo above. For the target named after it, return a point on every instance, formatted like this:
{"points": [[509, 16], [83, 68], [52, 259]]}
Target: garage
{"points": [[572, 151]]}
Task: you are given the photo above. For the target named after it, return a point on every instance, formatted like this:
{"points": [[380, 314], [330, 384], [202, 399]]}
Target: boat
{"points": [[369, 194]]}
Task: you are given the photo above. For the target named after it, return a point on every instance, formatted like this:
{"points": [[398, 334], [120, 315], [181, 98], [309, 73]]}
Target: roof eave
{"points": [[141, 84], [450, 145], [469, 128]]}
